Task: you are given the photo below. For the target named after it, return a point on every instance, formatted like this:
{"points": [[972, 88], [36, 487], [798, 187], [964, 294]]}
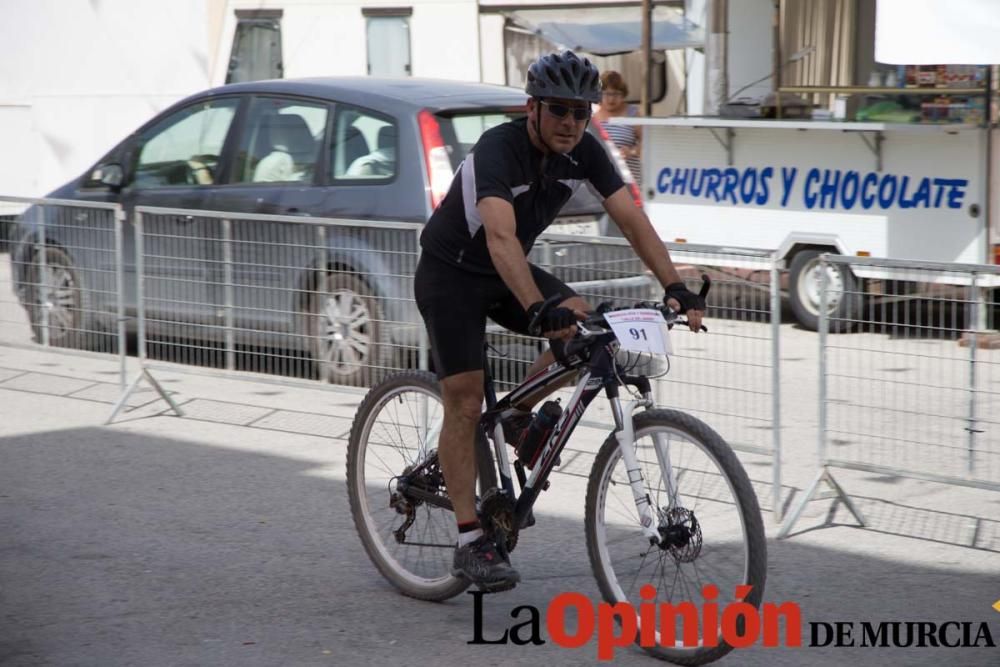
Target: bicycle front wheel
{"points": [[708, 520], [395, 435]]}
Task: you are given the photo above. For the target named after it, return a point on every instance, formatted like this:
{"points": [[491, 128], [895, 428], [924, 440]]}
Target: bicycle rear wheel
{"points": [[708, 519], [395, 432]]}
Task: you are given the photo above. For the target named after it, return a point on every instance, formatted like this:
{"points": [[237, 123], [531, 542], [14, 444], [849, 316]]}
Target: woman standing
{"points": [[627, 138]]}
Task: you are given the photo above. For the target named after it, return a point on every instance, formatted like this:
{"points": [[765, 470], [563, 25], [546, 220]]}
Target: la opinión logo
{"points": [[738, 624]]}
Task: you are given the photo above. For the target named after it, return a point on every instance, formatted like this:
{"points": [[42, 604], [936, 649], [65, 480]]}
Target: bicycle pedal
{"points": [[499, 587], [489, 586]]}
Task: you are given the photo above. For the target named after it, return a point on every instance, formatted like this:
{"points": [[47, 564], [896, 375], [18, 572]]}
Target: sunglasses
{"points": [[562, 110]]}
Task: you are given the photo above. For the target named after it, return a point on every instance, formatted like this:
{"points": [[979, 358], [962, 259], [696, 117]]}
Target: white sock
{"points": [[471, 536]]}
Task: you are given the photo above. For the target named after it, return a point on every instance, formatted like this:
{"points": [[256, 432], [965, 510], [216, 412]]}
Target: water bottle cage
{"points": [[529, 449], [538, 433]]}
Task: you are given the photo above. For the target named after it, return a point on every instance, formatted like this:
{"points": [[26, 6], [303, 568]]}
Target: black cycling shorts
{"points": [[455, 304]]}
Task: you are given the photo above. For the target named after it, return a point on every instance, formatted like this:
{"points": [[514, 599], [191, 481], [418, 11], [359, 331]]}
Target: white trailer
{"points": [[801, 188]]}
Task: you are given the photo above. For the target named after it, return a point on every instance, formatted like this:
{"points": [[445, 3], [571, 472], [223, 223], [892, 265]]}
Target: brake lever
{"points": [[551, 301], [706, 284]]}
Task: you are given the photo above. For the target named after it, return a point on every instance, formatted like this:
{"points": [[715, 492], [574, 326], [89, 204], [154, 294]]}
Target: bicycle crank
{"points": [[496, 514]]}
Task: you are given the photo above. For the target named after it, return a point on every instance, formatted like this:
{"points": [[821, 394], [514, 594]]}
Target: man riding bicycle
{"points": [[474, 266]]}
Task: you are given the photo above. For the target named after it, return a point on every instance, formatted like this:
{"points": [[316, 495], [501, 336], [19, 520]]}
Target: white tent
{"points": [[938, 32]]}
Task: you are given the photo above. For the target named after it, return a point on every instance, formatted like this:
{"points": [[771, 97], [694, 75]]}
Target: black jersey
{"points": [[504, 163]]}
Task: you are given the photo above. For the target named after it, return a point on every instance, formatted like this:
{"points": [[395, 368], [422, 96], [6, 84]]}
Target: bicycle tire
{"points": [[410, 583], [715, 450]]}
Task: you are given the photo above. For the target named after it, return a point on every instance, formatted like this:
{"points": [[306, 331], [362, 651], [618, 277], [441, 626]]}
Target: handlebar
{"points": [[594, 330], [596, 322]]}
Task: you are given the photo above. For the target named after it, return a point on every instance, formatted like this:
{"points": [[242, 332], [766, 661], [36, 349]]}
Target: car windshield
{"points": [[461, 131]]}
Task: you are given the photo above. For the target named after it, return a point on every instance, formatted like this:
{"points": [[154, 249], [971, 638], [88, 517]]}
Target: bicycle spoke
{"points": [[396, 432], [699, 519]]}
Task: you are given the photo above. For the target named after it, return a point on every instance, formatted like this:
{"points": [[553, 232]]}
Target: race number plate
{"points": [[641, 330]]}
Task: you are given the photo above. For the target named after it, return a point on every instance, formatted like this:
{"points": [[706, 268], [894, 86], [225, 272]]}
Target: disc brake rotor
{"points": [[680, 534]]}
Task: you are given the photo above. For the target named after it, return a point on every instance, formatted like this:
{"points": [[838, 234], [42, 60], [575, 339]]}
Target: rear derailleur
{"points": [[419, 484]]}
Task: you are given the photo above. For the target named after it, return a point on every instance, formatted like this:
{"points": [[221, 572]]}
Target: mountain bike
{"points": [[667, 502]]}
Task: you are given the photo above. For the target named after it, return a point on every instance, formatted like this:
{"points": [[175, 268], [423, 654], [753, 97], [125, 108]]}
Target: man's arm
{"points": [[508, 258], [639, 232], [505, 250]]}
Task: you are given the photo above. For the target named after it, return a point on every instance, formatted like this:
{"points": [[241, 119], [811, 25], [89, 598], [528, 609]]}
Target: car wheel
{"points": [[347, 332], [55, 295], [843, 301]]}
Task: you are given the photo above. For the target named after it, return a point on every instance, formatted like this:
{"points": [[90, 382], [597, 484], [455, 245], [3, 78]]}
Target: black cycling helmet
{"points": [[566, 76]]}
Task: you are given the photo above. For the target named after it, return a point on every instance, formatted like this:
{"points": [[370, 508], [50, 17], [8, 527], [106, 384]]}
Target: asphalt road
{"points": [[224, 538]]}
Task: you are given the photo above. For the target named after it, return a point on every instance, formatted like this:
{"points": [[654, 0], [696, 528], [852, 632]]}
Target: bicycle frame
{"points": [[596, 373]]}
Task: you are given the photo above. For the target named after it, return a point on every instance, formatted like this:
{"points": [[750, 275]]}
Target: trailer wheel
{"points": [[843, 298]]}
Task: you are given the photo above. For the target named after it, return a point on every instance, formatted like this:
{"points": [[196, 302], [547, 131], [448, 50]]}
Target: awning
{"points": [[606, 31], [935, 32]]}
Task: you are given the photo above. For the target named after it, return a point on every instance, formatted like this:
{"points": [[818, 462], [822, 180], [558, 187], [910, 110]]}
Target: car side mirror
{"points": [[111, 175]]}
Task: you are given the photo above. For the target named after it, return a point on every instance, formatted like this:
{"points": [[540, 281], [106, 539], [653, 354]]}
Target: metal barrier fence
{"points": [[287, 297], [61, 287], [911, 385]]}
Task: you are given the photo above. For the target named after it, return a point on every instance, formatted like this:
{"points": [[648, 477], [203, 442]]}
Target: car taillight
{"points": [[439, 172], [996, 254], [623, 169]]}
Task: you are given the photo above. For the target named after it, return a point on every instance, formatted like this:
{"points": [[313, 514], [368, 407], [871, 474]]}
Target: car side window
{"points": [[364, 146], [184, 148], [281, 143]]}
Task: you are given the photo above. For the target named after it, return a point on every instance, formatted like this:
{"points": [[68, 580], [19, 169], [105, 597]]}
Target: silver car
{"points": [[359, 148]]}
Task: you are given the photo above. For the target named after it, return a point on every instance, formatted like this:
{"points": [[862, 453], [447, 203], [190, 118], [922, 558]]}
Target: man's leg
{"points": [[454, 310], [476, 556], [463, 404]]}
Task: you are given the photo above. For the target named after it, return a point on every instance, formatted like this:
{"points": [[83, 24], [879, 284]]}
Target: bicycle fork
{"points": [[625, 435]]}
